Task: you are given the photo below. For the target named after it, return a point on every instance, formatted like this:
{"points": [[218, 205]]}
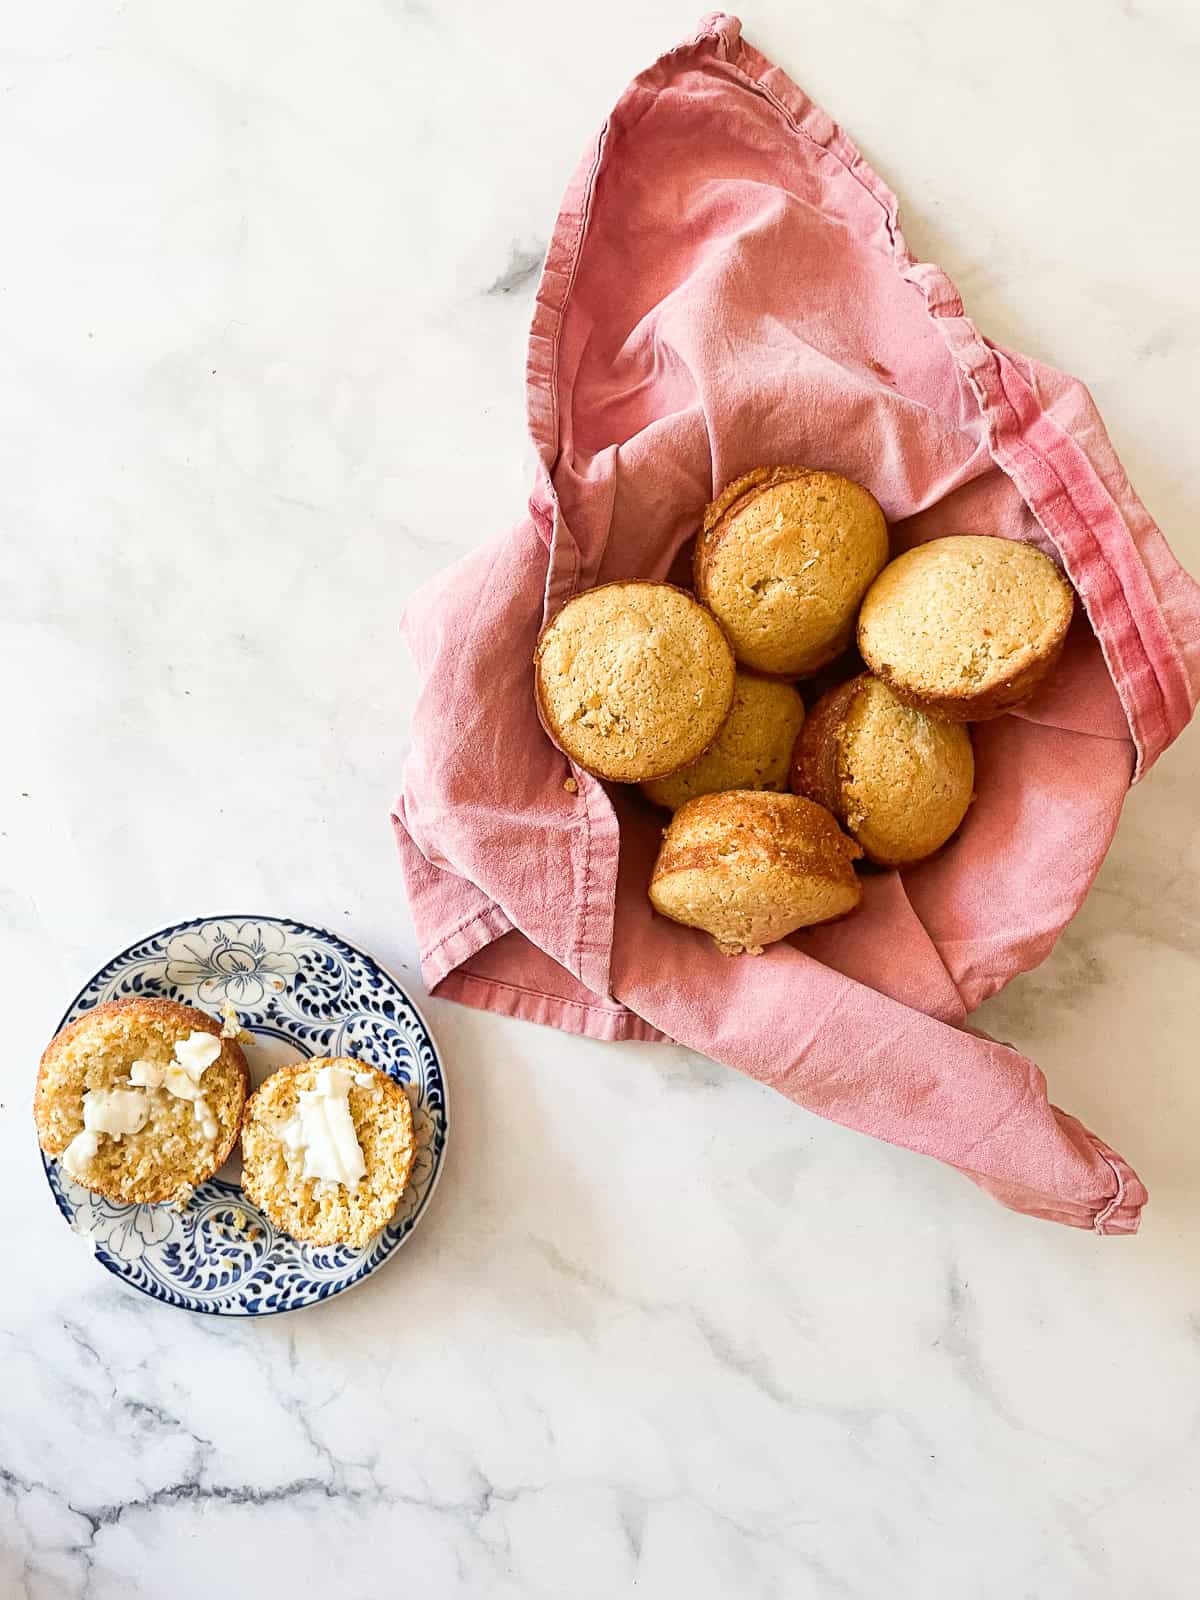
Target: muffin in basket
{"points": [[752, 751], [327, 1149], [966, 627], [633, 680], [783, 559], [750, 867], [141, 1099], [899, 781]]}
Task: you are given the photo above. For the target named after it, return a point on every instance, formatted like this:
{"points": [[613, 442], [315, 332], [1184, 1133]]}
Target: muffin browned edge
{"points": [[1006, 694], [544, 715], [816, 761], [718, 517], [799, 854], [163, 1011], [814, 770], [292, 1069]]}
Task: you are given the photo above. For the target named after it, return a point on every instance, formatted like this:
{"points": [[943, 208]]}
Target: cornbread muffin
{"points": [[750, 867], [752, 751], [899, 781], [633, 680], [327, 1149], [783, 559], [966, 627], [140, 1100]]}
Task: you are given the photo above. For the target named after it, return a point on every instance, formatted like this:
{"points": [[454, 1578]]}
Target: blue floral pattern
{"points": [[320, 996], [242, 963]]}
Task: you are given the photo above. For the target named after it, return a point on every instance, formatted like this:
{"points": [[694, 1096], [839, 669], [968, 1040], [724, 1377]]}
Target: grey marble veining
{"points": [[263, 302]]}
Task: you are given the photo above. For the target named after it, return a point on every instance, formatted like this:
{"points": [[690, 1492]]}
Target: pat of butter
{"points": [[323, 1130], [193, 1056], [111, 1111], [81, 1150], [149, 1074], [203, 1115], [114, 1111]]}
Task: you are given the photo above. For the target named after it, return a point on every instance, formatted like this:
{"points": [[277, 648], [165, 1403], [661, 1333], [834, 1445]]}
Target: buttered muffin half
{"points": [[897, 780], [783, 560], [633, 680], [752, 751], [141, 1099], [327, 1149], [966, 627], [749, 867]]}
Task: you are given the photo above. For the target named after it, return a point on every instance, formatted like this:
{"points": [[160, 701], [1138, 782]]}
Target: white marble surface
{"points": [[264, 286]]}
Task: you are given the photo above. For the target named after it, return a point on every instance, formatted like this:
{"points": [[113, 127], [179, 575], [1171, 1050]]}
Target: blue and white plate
{"points": [[300, 992]]}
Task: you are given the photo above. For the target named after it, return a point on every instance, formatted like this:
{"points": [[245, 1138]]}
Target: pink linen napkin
{"points": [[727, 286]]}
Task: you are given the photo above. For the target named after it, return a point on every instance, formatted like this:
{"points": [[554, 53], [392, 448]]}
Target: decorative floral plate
{"points": [[299, 992]]}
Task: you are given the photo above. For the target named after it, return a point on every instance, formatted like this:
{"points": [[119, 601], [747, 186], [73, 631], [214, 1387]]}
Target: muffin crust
{"points": [[966, 627], [749, 867], [783, 559], [752, 751], [898, 780], [633, 680]]}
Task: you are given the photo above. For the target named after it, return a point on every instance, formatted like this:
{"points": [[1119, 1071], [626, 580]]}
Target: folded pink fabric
{"points": [[728, 285]]}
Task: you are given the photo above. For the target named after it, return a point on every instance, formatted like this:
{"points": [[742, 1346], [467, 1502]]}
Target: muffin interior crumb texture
{"points": [[634, 680], [123, 1058], [961, 613], [318, 1210]]}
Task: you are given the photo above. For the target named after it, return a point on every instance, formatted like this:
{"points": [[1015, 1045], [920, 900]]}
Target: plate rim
{"points": [[307, 927]]}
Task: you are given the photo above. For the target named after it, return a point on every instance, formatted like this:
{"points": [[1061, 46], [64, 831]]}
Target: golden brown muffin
{"points": [[750, 867], [899, 781], [966, 627], [127, 1113], [279, 1151], [633, 680], [752, 751], [783, 559]]}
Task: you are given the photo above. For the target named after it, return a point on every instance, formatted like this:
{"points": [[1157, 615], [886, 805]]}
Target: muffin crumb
{"points": [[91, 1064], [314, 1209]]}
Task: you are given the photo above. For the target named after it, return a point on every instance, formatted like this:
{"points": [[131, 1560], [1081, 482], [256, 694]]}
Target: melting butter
{"points": [[114, 1112], [193, 1056], [323, 1130]]}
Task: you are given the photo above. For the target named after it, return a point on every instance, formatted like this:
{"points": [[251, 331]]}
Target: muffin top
{"points": [[966, 626], [752, 751], [749, 867], [898, 780], [783, 559], [633, 680], [140, 1099]]}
